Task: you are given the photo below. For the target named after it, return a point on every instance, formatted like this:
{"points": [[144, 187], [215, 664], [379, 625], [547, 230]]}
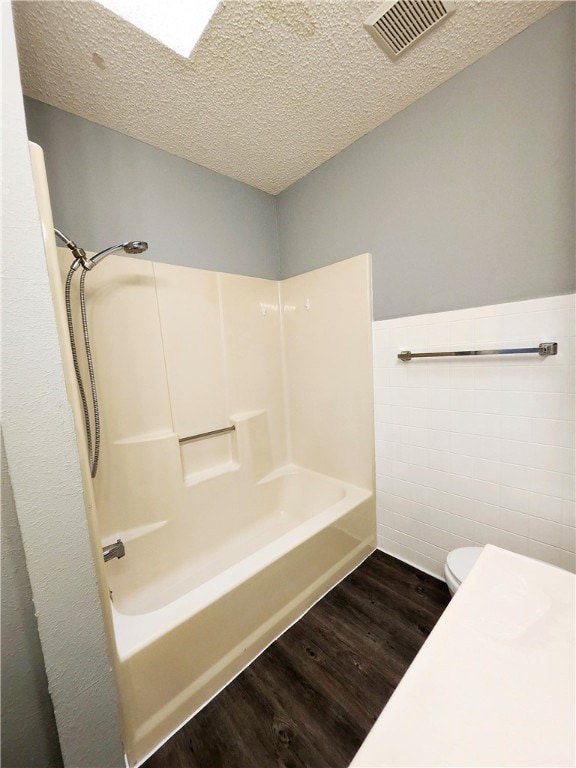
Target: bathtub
{"points": [[198, 597]]}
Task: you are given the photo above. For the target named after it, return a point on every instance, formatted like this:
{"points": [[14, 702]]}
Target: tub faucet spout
{"points": [[114, 550]]}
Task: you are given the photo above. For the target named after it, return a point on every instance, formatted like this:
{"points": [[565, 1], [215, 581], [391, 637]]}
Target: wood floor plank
{"points": [[310, 699], [346, 675]]}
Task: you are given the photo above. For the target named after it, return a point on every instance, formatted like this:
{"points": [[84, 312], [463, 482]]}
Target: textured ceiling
{"points": [[273, 89]]}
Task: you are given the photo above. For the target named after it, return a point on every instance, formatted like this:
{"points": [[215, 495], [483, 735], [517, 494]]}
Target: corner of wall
{"points": [[46, 482]]}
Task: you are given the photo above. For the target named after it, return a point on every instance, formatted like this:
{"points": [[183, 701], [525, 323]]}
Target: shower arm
{"points": [[131, 247], [79, 253], [91, 263]]}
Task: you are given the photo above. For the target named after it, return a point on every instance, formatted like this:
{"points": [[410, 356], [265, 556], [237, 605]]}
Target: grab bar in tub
{"points": [[202, 435]]}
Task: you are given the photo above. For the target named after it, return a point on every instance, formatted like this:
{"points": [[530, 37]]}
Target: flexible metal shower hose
{"points": [[93, 450]]}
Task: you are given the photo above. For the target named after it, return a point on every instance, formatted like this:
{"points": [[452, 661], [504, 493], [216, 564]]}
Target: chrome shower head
{"points": [[132, 247], [136, 246]]}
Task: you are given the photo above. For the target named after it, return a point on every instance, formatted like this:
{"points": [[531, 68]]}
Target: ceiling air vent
{"points": [[398, 24]]}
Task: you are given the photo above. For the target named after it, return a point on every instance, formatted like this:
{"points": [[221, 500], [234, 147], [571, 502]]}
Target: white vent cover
{"points": [[398, 24]]}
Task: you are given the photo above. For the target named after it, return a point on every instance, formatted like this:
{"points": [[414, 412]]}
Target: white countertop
{"points": [[495, 682]]}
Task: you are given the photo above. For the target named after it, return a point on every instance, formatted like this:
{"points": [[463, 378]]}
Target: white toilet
{"points": [[459, 564]]}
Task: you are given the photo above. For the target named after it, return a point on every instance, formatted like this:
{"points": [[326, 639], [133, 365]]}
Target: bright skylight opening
{"points": [[177, 24]]}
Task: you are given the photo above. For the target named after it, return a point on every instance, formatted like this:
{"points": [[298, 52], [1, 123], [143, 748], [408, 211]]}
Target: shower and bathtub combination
{"points": [[235, 461]]}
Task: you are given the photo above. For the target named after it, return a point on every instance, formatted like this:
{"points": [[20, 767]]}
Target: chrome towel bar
{"points": [[544, 349], [202, 435]]}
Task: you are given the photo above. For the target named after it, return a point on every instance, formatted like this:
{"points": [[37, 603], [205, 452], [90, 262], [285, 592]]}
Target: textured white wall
{"points": [[478, 450], [29, 735], [43, 463]]}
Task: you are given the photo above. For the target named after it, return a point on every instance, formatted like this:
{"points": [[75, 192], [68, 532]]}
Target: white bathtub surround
{"points": [[329, 395], [183, 634], [229, 539], [478, 450], [505, 696]]}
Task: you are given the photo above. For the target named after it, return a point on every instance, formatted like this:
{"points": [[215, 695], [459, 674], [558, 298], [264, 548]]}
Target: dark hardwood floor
{"points": [[310, 699]]}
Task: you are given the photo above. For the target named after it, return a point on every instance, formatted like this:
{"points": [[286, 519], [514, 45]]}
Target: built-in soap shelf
{"points": [[194, 478], [129, 534], [209, 453], [145, 437], [247, 447]]}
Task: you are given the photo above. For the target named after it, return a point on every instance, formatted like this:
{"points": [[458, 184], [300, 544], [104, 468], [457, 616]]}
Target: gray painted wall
{"points": [[29, 735], [106, 188], [465, 198]]}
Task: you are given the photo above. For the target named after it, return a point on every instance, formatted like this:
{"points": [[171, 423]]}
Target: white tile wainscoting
{"points": [[477, 450]]}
